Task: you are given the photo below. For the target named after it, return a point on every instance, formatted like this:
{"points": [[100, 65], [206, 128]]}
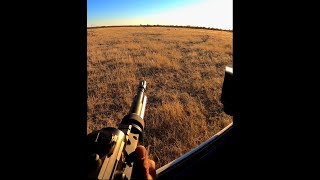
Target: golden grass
{"points": [[184, 70]]}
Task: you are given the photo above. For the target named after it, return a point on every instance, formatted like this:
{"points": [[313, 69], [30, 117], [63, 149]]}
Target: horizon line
{"points": [[142, 25]]}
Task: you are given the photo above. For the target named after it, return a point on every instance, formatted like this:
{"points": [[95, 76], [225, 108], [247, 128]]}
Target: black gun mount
{"points": [[228, 91]]}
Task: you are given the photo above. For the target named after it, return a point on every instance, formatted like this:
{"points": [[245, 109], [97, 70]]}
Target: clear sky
{"points": [[207, 13]]}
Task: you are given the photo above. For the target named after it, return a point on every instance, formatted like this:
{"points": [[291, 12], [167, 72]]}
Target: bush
{"points": [[205, 38]]}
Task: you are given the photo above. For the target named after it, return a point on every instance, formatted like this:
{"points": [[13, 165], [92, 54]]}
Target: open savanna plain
{"points": [[184, 69]]}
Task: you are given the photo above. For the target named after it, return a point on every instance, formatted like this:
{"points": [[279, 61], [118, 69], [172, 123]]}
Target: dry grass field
{"points": [[184, 70]]}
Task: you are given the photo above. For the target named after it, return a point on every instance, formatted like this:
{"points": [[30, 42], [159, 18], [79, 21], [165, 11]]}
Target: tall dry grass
{"points": [[184, 70]]}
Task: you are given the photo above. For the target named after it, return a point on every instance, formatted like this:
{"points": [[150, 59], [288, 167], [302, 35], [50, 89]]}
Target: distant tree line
{"points": [[169, 26]]}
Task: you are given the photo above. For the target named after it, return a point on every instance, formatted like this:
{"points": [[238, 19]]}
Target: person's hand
{"points": [[144, 168]]}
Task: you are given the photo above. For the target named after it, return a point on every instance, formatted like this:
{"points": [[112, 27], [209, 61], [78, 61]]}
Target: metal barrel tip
{"points": [[143, 84]]}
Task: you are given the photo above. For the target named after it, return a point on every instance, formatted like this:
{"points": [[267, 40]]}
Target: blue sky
{"points": [[208, 13]]}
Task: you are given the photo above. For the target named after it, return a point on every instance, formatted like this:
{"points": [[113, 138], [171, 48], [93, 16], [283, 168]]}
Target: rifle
{"points": [[110, 149]]}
